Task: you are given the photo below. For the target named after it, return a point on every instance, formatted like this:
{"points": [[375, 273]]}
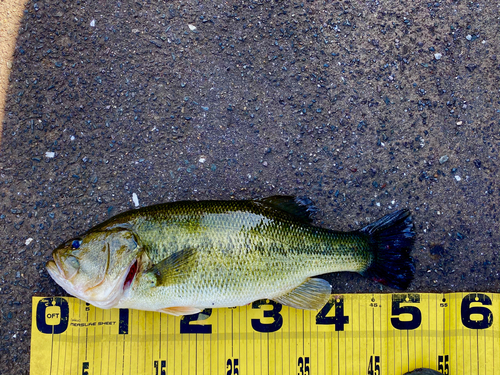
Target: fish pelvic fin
{"points": [[312, 294], [391, 238], [180, 310], [174, 268]]}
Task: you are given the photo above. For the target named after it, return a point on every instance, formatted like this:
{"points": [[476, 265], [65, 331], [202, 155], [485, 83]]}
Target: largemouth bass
{"points": [[182, 257]]}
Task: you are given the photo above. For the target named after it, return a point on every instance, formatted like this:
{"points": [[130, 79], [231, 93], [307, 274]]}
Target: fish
{"points": [[183, 257]]}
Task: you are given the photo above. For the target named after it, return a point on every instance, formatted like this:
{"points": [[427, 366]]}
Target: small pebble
{"points": [[192, 27], [28, 241], [202, 159], [458, 178], [50, 154], [443, 159], [437, 56], [135, 199], [468, 37], [92, 23]]}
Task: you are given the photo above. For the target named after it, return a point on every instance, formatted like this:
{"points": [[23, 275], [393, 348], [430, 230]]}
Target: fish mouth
{"points": [[59, 276], [57, 272], [59, 268], [54, 271]]}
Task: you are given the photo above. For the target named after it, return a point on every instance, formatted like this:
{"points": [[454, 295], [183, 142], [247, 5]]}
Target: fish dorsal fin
{"points": [[180, 310], [312, 294], [174, 268], [300, 207]]}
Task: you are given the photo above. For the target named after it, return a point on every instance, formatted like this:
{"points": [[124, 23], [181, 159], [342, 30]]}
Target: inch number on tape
{"points": [[377, 334]]}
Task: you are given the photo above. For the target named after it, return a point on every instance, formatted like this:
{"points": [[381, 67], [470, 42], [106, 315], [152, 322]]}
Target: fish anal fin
{"points": [[300, 207], [174, 268], [312, 294], [180, 310]]}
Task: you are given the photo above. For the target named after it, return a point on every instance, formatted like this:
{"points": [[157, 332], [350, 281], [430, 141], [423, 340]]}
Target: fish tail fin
{"points": [[391, 239]]}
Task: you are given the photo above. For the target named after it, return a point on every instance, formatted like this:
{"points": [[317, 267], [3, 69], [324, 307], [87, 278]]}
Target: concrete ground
{"points": [[363, 106], [11, 12]]}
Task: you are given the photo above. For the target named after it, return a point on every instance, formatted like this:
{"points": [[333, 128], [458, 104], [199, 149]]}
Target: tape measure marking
{"points": [[455, 333]]}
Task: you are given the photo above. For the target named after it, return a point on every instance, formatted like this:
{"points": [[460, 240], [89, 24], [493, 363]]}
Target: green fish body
{"points": [[183, 257]]}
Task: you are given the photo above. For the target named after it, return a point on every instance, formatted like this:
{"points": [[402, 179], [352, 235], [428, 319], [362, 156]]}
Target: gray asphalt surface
{"points": [[365, 107]]}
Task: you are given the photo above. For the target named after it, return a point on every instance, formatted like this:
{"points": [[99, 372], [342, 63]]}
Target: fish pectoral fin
{"points": [[312, 294], [173, 268], [180, 310]]}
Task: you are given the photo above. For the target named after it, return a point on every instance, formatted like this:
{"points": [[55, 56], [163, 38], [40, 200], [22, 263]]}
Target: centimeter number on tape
{"points": [[373, 334]]}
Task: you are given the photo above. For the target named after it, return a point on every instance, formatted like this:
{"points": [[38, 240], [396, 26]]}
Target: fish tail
{"points": [[391, 239]]}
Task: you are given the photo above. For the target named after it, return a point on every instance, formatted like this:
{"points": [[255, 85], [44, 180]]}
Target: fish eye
{"points": [[76, 244]]}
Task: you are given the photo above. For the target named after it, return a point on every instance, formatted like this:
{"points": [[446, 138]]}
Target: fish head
{"points": [[98, 267]]}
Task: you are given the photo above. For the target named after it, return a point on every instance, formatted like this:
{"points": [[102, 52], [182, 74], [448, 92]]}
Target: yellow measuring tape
{"points": [[373, 334]]}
